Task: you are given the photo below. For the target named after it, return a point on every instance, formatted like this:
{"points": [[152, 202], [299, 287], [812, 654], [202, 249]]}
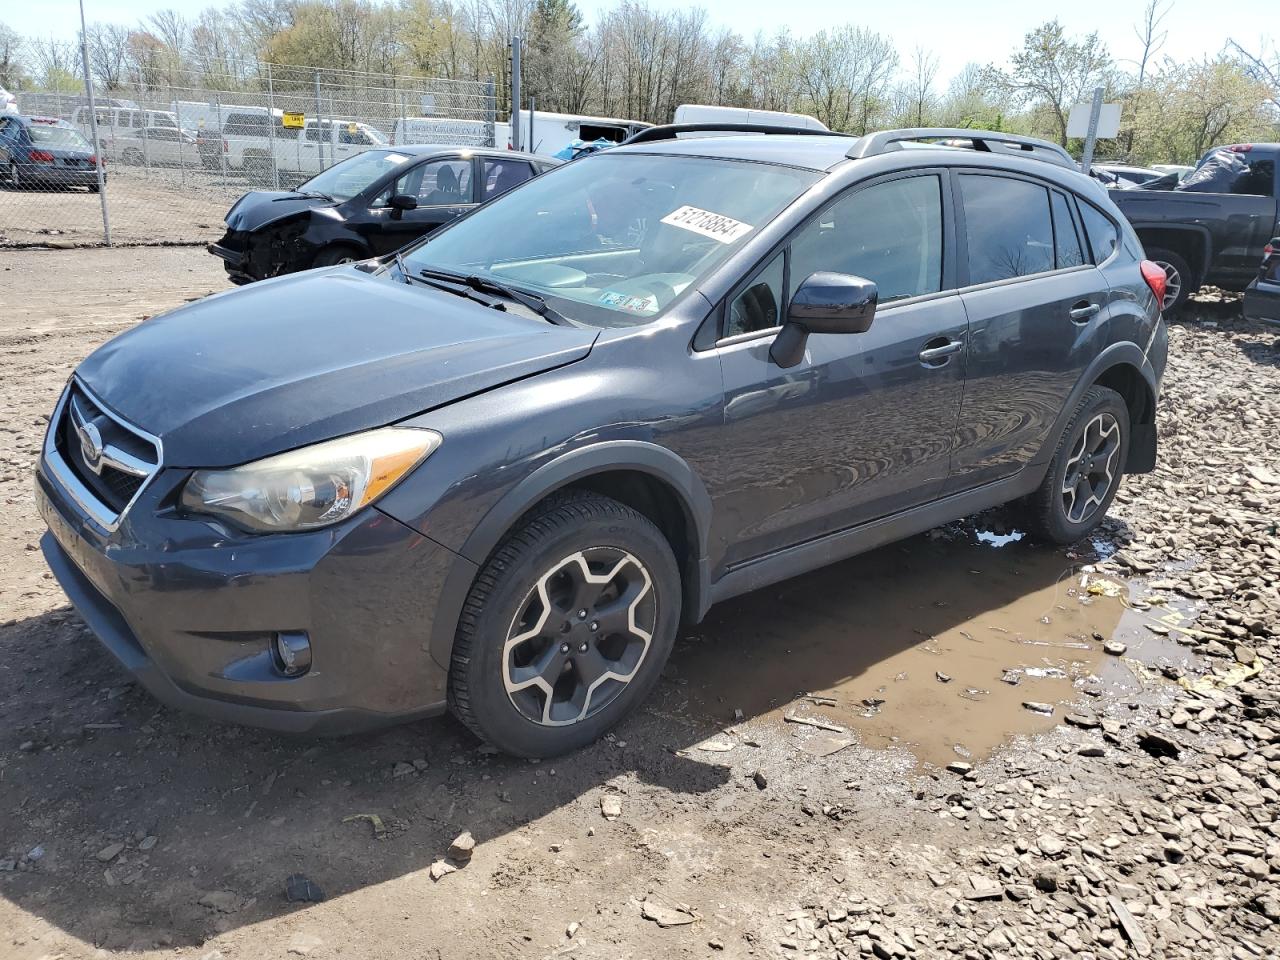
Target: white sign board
{"points": [[1108, 121]]}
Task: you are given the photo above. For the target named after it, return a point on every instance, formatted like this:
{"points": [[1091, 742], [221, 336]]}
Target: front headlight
{"points": [[311, 487]]}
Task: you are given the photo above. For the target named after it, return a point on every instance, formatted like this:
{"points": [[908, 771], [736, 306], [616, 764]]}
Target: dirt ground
{"points": [[159, 205], [839, 766]]}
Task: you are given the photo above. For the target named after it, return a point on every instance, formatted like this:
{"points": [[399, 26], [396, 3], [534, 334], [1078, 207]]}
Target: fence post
{"points": [[319, 128], [93, 128], [222, 153], [490, 112], [271, 130]]}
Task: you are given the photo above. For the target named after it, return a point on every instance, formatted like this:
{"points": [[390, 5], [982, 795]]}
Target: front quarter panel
{"points": [[496, 440]]}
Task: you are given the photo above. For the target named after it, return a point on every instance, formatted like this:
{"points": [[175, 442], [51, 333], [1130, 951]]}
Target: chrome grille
{"points": [[103, 461]]}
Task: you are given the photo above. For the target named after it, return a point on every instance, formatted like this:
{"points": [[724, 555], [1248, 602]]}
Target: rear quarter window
{"points": [[1103, 235]]}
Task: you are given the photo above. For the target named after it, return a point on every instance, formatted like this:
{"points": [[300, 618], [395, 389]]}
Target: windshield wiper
{"points": [[313, 194], [448, 285], [530, 301]]}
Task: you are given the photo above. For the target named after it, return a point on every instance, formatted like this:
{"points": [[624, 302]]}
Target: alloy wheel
{"points": [[1092, 468], [579, 636], [1172, 284]]}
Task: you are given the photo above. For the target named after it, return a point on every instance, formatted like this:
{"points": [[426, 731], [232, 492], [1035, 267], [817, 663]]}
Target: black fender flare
{"points": [[1201, 231], [606, 456], [1142, 447]]}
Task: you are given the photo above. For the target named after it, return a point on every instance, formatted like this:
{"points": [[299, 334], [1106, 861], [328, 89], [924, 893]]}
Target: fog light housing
{"points": [[293, 653]]}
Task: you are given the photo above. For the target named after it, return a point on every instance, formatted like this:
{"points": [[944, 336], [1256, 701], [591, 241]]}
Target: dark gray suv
{"points": [[494, 472]]}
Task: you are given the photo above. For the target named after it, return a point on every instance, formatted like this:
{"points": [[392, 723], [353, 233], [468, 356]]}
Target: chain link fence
{"points": [[179, 146]]}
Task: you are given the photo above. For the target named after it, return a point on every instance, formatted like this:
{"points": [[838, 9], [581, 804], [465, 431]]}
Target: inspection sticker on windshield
{"points": [[624, 301], [714, 225]]}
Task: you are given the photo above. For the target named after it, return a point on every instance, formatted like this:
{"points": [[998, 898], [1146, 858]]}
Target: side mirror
{"points": [[401, 202], [824, 303]]}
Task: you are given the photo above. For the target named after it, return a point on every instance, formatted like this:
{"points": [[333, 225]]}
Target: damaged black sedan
{"points": [[366, 206]]}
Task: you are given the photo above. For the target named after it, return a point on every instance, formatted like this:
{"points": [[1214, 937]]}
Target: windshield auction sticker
{"points": [[708, 224]]}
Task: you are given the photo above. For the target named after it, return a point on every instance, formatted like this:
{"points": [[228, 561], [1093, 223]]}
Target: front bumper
{"points": [[192, 610], [1262, 302], [235, 261]]}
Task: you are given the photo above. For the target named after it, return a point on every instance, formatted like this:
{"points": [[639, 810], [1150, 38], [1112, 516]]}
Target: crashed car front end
{"points": [[266, 235]]}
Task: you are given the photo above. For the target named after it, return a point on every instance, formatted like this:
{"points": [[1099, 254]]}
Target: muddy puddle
{"points": [[935, 644]]}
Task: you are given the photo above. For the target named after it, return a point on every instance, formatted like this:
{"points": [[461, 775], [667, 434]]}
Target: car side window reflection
{"points": [[889, 233], [1009, 227], [759, 307]]}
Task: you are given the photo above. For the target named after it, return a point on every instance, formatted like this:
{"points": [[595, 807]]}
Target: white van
{"points": [[115, 119], [702, 113], [552, 132]]}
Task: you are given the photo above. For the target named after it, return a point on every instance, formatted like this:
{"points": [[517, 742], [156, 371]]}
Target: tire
{"points": [[1062, 511], [133, 158], [337, 253], [1177, 274], [507, 631]]}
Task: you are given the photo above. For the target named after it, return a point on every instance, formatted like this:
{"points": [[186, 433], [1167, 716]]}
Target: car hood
{"points": [[311, 356], [261, 207]]}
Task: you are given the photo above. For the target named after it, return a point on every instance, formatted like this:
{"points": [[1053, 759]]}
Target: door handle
{"points": [[1084, 310], [942, 349]]}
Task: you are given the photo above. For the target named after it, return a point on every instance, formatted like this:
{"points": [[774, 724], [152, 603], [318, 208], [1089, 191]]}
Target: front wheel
{"points": [[566, 628], [334, 255], [1085, 472]]}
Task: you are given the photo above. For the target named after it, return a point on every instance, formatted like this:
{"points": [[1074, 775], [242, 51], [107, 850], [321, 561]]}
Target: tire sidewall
{"points": [[490, 703], [1098, 400]]}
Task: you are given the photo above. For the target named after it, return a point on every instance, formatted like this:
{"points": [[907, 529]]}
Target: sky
{"points": [[983, 31]]}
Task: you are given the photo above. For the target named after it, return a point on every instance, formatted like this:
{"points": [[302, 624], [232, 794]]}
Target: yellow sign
{"points": [[352, 129], [294, 120]]}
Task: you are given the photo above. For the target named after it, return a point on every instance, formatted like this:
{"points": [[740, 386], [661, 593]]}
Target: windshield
{"points": [[614, 239], [344, 180], [52, 136]]}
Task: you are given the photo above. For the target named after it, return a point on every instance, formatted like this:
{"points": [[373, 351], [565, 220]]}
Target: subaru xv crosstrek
{"points": [[495, 471]]}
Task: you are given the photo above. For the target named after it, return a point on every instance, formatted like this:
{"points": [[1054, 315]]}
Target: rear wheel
{"points": [[1179, 284], [133, 157], [1085, 472], [566, 628]]}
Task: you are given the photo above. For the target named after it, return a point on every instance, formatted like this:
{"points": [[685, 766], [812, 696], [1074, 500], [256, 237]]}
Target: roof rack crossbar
{"points": [[885, 141], [669, 131]]}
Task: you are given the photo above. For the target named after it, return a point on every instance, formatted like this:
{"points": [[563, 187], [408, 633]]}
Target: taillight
{"points": [[1156, 280], [225, 148], [93, 160], [41, 156], [1267, 251]]}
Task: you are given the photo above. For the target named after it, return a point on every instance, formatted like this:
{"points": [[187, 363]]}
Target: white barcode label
{"points": [[714, 225]]}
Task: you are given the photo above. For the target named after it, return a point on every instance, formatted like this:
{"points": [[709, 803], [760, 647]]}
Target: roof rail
{"points": [[987, 141], [669, 131]]}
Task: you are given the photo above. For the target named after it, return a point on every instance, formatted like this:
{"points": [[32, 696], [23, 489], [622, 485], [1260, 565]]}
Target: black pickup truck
{"points": [[1211, 227]]}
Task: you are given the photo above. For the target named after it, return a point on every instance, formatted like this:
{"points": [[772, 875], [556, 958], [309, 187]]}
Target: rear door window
{"points": [[1008, 227], [1066, 239], [502, 175]]}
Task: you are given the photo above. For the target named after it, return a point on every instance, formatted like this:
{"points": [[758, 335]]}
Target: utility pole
{"points": [[93, 128]]}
